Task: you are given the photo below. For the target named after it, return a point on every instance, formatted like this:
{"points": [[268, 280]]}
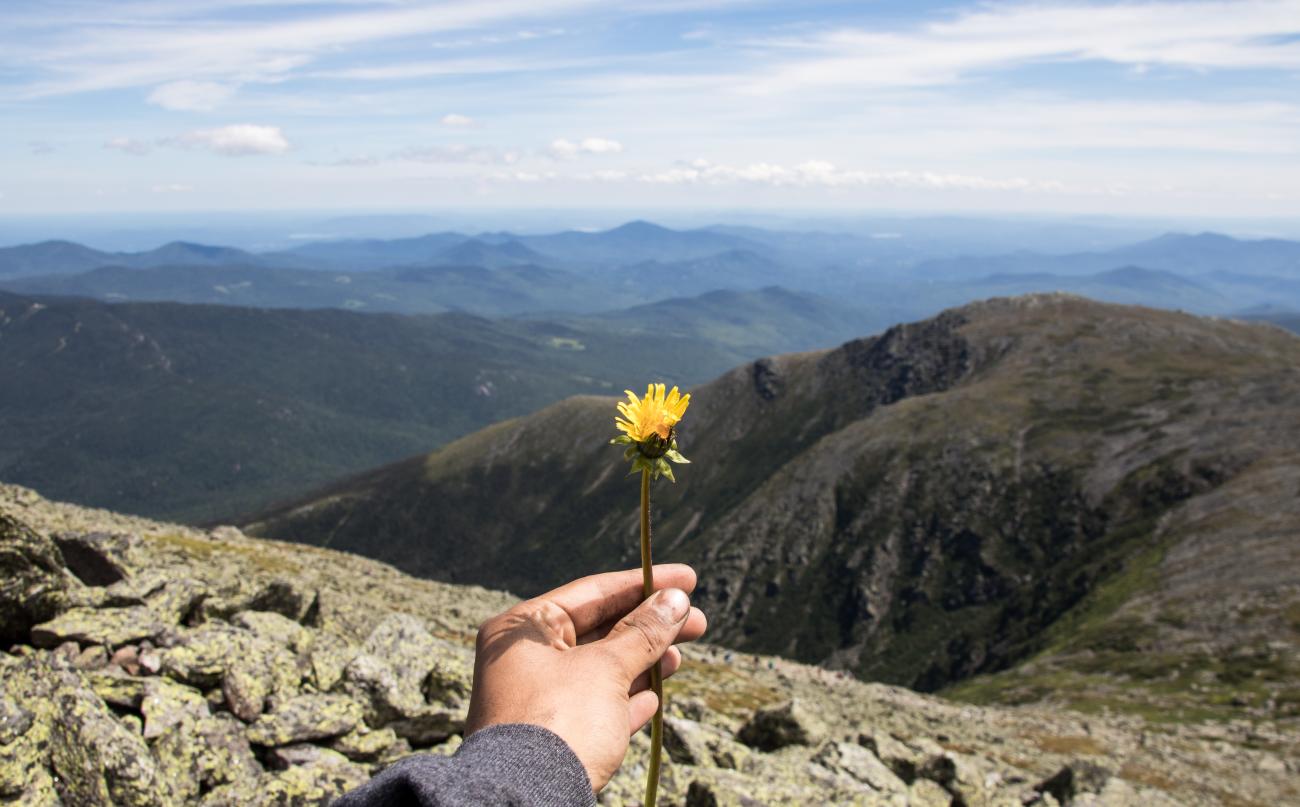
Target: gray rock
{"points": [[33, 584], [95, 558], [862, 765], [788, 723], [306, 717], [107, 626]]}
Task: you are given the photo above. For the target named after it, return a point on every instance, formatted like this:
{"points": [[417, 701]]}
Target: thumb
{"points": [[641, 638]]}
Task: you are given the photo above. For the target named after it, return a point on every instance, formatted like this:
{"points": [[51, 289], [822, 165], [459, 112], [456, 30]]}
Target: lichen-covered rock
{"points": [[166, 704], [788, 723], [96, 558], [860, 764], [33, 584], [277, 628], [318, 782], [106, 626], [306, 717], [431, 726], [926, 793], [205, 753], [690, 742], [99, 763], [330, 657], [365, 744], [375, 683], [423, 668], [18, 753]]}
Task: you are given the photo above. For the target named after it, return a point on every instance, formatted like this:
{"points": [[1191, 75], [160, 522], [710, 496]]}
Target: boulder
{"points": [[205, 753], [859, 763], [785, 724], [98, 761], [330, 657], [96, 558], [364, 744], [111, 627], [276, 628], [425, 668], [166, 704], [306, 717], [33, 584], [431, 726]]}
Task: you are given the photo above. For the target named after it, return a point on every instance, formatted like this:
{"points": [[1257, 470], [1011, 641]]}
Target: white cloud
{"points": [[128, 145], [239, 140], [819, 173], [1245, 34], [458, 153], [194, 96], [174, 187], [453, 119], [568, 149]]}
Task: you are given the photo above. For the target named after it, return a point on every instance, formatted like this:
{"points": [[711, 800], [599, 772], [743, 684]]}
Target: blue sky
{"points": [[1135, 108]]}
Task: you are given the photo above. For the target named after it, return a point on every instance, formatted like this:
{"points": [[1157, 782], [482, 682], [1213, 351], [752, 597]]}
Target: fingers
{"points": [[669, 664], [640, 708], [696, 625], [642, 637], [592, 601]]}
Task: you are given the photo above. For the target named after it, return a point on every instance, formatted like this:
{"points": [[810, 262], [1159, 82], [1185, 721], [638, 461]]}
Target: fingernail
{"points": [[673, 603]]}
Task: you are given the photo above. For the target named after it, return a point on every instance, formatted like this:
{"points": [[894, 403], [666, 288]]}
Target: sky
{"points": [[1123, 108]]}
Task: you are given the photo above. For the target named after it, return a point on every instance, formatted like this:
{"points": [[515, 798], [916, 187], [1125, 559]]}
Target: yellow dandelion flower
{"points": [[649, 426], [655, 414]]}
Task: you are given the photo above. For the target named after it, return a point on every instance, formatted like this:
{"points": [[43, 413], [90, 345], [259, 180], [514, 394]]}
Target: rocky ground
{"points": [[153, 664]]}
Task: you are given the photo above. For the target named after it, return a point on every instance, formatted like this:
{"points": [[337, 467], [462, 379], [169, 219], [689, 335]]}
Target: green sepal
{"points": [[630, 453], [676, 456], [667, 470], [621, 440]]}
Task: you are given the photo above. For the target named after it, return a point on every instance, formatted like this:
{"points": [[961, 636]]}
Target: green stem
{"points": [[656, 677]]}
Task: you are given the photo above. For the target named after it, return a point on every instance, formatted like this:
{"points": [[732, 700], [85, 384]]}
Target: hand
{"points": [[576, 661]]}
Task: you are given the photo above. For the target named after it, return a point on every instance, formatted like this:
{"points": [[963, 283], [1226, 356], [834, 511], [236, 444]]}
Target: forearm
{"points": [[515, 765]]}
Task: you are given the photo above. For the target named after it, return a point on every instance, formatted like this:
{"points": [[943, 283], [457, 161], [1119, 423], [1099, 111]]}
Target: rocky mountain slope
{"points": [[1106, 491], [149, 664]]}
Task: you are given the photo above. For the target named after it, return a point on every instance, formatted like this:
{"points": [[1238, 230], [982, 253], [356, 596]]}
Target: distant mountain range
{"points": [[501, 274], [1107, 490], [191, 410]]}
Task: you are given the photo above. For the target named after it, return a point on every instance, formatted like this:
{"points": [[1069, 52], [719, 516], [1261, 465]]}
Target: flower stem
{"points": [[656, 677]]}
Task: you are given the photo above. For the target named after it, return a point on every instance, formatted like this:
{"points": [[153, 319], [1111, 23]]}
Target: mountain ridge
{"points": [[920, 507]]}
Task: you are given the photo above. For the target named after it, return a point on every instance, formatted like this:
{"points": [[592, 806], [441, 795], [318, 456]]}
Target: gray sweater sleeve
{"points": [[512, 765]]}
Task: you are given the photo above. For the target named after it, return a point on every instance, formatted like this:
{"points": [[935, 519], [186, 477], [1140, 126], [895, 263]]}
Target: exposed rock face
{"points": [[381, 670], [32, 580]]}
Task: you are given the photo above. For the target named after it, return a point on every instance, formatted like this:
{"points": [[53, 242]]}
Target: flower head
{"points": [[649, 427]]}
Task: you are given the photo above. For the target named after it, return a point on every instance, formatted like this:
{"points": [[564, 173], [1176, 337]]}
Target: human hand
{"points": [[576, 661]]}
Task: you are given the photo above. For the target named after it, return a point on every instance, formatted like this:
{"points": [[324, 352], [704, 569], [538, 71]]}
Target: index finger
{"points": [[597, 599]]}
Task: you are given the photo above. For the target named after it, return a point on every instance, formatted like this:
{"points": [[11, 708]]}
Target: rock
{"points": [[114, 686], [106, 626], [127, 657], [276, 628], [897, 756], [205, 753], [176, 600], [862, 765], [166, 704], [364, 744], [306, 717], [430, 727], [330, 656], [318, 782], [425, 668], [99, 761], [1073, 780], [689, 742], [786, 724], [94, 657], [245, 688], [375, 683], [95, 558], [18, 754], [700, 794], [926, 793], [33, 585], [288, 597]]}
